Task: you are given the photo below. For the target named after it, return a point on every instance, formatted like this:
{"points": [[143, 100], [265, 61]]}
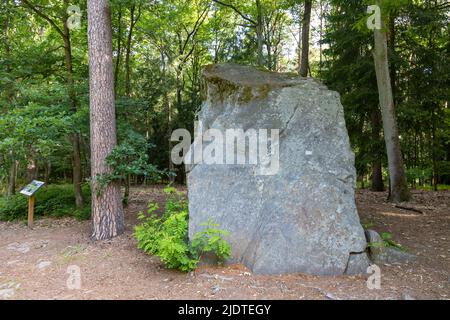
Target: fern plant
{"points": [[166, 235]]}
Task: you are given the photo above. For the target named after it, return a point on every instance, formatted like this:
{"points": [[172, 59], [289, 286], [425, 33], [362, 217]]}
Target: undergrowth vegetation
{"points": [[53, 200], [166, 235]]}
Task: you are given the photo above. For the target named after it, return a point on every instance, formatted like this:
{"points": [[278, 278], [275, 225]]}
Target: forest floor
{"points": [[34, 263]]}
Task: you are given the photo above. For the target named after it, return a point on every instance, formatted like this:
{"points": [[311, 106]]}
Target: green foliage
{"points": [[130, 158], [166, 236], [387, 242], [210, 240], [173, 40], [53, 200], [367, 225]]}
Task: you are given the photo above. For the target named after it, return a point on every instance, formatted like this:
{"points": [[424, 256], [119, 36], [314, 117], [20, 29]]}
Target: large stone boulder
{"points": [[300, 217]]}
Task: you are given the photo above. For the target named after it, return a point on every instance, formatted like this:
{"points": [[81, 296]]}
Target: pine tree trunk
{"points": [[107, 209], [398, 186], [304, 67]]}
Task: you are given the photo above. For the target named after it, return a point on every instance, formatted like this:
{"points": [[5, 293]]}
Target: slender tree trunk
{"points": [[180, 86], [377, 172], [12, 172], [65, 34], [133, 21], [435, 179], [304, 66], [259, 33], [320, 40], [48, 172], [119, 51], [126, 195], [12, 179], [32, 170], [398, 185], [76, 158], [107, 209], [167, 106], [299, 43]]}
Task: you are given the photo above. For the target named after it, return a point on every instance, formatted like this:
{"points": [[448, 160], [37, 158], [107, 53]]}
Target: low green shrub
{"points": [[166, 235], [52, 200], [387, 243]]}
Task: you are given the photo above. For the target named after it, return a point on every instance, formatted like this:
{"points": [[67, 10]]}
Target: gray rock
{"points": [[8, 290], [380, 254], [6, 293], [19, 247], [407, 296], [43, 264], [358, 263], [304, 217], [373, 237]]}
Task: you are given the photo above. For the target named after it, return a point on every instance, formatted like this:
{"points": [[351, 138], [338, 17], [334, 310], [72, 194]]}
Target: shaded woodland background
{"points": [[160, 48]]}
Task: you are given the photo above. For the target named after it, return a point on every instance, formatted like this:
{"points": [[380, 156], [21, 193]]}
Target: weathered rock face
{"points": [[303, 218]]}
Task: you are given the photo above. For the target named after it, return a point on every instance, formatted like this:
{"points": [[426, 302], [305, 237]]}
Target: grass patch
{"points": [[53, 201], [440, 187]]}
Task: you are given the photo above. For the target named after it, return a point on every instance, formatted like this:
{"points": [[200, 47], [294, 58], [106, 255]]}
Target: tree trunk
{"points": [[12, 179], [107, 209], [320, 40], [167, 106], [48, 172], [128, 52], [304, 66], [119, 51], [299, 44], [377, 172], [398, 185], [76, 158], [32, 170], [259, 33], [435, 178], [126, 194]]}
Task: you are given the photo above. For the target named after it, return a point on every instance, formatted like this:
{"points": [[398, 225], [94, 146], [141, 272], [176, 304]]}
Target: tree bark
{"points": [[119, 51], [377, 171], [12, 179], [128, 53], [259, 32], [299, 40], [304, 66], [76, 158], [320, 40], [398, 185], [107, 208], [32, 170]]}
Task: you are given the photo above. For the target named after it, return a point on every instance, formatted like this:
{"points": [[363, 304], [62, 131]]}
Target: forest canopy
{"points": [[159, 51]]}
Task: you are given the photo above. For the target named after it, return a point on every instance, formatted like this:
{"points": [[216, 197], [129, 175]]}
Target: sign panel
{"points": [[32, 188]]}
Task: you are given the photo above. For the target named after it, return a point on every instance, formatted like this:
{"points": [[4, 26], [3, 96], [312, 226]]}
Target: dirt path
{"points": [[34, 263]]}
